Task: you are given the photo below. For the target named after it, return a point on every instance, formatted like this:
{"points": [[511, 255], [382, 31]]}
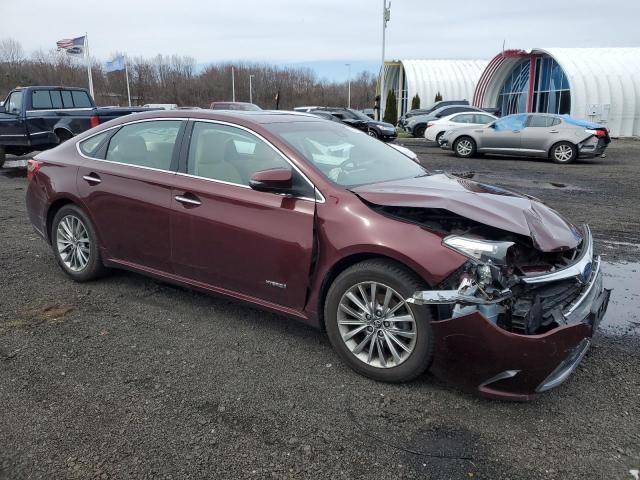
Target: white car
{"points": [[435, 128]]}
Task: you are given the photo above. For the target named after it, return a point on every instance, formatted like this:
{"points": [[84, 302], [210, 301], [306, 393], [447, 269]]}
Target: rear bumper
{"points": [[593, 147], [474, 352]]}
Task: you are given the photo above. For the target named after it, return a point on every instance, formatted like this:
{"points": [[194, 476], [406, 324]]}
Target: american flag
{"points": [[71, 45]]}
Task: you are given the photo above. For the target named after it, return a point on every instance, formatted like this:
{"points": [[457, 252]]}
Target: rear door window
{"points": [[91, 146], [541, 121], [80, 99], [463, 118], [56, 98], [482, 119], [145, 144], [41, 100], [67, 101]]}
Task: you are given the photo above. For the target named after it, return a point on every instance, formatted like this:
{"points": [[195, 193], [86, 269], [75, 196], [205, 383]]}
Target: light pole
{"points": [[233, 84], [250, 89], [349, 79], [386, 16]]}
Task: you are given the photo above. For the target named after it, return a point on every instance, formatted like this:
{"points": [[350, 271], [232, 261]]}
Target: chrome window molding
{"points": [[320, 197], [36, 110], [273, 147]]}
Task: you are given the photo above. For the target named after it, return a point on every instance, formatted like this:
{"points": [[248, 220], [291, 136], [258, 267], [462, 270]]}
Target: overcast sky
{"points": [[294, 31]]}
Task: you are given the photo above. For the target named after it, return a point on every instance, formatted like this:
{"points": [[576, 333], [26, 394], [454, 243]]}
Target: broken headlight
{"points": [[479, 250]]}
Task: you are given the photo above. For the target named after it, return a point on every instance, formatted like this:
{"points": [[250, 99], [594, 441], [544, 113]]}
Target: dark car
{"points": [[425, 111], [417, 124], [242, 106], [37, 118], [356, 119], [404, 269], [560, 138]]}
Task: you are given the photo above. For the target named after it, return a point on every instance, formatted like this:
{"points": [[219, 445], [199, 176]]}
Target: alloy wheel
{"points": [[72, 240], [464, 147], [377, 325], [563, 153]]}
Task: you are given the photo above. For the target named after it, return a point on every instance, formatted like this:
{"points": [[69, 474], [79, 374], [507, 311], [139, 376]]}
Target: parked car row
{"points": [[356, 119], [560, 138]]}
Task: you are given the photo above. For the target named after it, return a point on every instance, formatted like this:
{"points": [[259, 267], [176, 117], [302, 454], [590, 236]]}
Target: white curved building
{"points": [[452, 79], [597, 84]]}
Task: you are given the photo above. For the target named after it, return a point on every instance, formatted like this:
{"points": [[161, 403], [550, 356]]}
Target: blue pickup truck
{"points": [[37, 118]]}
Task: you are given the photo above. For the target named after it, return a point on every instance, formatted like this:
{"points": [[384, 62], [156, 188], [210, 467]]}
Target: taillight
{"points": [[94, 121], [598, 132], [429, 124], [33, 167]]}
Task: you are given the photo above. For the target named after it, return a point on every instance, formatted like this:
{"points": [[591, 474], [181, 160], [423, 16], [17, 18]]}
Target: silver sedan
{"points": [[558, 137]]}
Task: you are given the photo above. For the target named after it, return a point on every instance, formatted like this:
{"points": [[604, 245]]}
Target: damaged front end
{"points": [[521, 317]]}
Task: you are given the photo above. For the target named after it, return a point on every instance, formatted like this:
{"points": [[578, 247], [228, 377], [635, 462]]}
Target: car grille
{"points": [[541, 307]]}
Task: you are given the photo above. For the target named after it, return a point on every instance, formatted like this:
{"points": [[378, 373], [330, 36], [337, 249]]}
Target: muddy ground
{"points": [[128, 377]]}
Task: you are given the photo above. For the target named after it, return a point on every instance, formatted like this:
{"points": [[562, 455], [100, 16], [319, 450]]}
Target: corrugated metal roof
{"points": [[454, 79]]}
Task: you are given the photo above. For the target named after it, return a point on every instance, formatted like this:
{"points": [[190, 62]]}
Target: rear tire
{"points": [[464, 147], [371, 351], [75, 244], [563, 152], [372, 133], [418, 132], [3, 156], [438, 137]]}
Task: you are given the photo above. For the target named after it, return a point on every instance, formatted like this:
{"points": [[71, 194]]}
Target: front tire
{"points": [[418, 132], [563, 152], [372, 328], [464, 147], [75, 244], [372, 133], [3, 156]]}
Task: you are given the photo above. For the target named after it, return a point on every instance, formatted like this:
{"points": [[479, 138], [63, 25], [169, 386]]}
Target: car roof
{"points": [[49, 87], [239, 116]]}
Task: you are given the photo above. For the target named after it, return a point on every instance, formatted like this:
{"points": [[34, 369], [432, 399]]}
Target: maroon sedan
{"points": [[404, 269]]}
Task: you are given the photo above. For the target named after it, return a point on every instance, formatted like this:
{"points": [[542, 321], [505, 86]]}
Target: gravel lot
{"points": [[128, 377]]}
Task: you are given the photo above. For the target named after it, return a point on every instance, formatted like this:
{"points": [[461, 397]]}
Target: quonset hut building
{"points": [[597, 84], [453, 79]]}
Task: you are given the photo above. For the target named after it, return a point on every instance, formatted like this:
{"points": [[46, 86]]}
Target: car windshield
{"points": [[344, 155], [359, 115]]}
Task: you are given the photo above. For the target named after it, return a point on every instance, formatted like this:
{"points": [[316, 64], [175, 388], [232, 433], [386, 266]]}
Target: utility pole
{"points": [[233, 84], [386, 16], [349, 95], [250, 89]]}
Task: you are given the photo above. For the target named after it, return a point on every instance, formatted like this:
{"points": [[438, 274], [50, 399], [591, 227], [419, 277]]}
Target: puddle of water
{"points": [[623, 314]]}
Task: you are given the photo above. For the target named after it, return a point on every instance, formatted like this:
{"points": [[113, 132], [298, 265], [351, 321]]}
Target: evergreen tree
{"points": [[391, 109], [415, 102], [438, 97]]}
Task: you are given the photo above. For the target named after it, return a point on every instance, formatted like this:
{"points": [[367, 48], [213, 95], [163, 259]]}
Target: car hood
{"points": [[380, 124], [493, 206]]}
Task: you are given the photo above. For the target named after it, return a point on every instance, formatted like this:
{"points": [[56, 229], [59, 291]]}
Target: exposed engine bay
{"points": [[506, 279]]}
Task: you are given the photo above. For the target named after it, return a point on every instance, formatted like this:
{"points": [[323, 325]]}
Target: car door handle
{"points": [[554, 131], [92, 178], [515, 131], [188, 200]]}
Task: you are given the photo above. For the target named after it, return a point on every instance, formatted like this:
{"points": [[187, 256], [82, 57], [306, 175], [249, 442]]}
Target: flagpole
{"points": [[126, 74], [86, 55]]}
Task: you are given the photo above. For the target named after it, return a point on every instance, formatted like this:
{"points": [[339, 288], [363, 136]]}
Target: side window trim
{"points": [[104, 146], [184, 153]]}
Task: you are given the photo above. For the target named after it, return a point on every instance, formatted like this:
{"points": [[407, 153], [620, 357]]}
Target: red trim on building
{"points": [[532, 72]]}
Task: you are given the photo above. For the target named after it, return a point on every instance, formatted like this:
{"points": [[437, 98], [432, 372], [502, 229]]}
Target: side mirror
{"points": [[2, 109], [274, 180]]}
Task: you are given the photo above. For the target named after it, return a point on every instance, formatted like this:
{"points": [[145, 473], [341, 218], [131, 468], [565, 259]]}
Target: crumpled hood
{"points": [[483, 203]]}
